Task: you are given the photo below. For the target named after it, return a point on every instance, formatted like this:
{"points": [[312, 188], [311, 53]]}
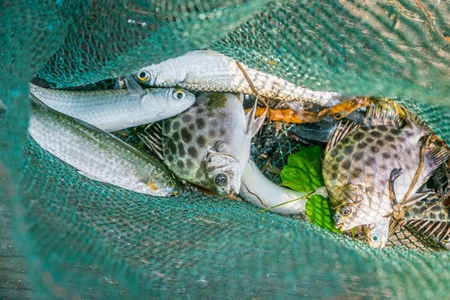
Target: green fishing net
{"points": [[64, 236]]}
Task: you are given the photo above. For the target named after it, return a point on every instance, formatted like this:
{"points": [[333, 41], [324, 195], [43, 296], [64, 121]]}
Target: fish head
{"points": [[220, 173], [356, 206], [377, 233], [173, 100], [167, 73]]}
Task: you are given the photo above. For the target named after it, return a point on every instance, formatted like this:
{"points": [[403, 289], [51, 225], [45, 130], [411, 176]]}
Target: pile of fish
{"points": [[375, 167]]}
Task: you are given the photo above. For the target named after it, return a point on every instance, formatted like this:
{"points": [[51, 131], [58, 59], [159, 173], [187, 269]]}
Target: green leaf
{"points": [[318, 210], [303, 171]]}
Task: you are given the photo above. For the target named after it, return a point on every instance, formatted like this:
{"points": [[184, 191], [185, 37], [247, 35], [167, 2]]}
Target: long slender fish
{"points": [[112, 110], [207, 70], [392, 153], [208, 145], [99, 155], [260, 191]]}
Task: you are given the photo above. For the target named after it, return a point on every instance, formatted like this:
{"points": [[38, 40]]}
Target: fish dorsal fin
{"points": [[253, 125], [133, 87], [339, 132], [151, 137], [384, 111]]}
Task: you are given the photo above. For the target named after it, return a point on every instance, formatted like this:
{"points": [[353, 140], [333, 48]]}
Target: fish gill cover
{"points": [[63, 236]]}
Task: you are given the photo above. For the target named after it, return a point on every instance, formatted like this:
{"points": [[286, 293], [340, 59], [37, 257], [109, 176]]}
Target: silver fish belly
{"points": [[360, 162], [207, 70], [98, 155], [260, 191], [208, 145], [112, 110]]}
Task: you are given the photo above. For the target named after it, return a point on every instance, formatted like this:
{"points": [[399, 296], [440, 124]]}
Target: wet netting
{"points": [[64, 236]]}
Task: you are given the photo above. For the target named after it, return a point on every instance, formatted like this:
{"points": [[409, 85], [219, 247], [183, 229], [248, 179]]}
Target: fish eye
{"points": [[346, 210], [221, 179], [144, 76], [374, 238], [446, 238], [179, 94]]}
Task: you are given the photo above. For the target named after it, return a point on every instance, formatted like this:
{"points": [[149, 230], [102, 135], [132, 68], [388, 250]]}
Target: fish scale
{"points": [[359, 161]]}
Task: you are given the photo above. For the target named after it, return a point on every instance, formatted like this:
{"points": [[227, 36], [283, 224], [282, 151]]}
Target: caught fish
{"points": [[207, 70], [99, 155], [377, 234], [428, 219], [208, 145], [374, 170], [112, 110], [260, 191]]}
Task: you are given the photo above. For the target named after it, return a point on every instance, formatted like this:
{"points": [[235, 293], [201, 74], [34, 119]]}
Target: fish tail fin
{"points": [[151, 137], [253, 125]]}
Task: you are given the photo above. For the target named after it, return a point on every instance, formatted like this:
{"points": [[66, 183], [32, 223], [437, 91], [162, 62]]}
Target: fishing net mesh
{"points": [[64, 236]]}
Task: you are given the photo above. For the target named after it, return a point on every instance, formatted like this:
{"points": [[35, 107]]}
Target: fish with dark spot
{"points": [[218, 150], [367, 199]]}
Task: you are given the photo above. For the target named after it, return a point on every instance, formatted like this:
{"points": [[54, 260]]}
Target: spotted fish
{"points": [[363, 165], [377, 234], [209, 144]]}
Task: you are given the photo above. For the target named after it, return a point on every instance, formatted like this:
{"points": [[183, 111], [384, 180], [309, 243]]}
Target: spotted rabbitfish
{"points": [[373, 170], [208, 145]]}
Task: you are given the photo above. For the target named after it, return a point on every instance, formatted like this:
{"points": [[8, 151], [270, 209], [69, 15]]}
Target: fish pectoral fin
{"points": [[340, 131], [133, 87], [384, 111], [91, 176], [253, 125]]}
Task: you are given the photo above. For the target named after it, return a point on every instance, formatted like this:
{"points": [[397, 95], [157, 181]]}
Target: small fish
{"points": [[208, 145], [260, 191], [207, 70], [377, 233], [99, 155], [112, 110], [363, 165]]}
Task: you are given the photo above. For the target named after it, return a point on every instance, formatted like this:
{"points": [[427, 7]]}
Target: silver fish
{"points": [[99, 155], [260, 191], [377, 234], [392, 151], [112, 110], [208, 145], [207, 70]]}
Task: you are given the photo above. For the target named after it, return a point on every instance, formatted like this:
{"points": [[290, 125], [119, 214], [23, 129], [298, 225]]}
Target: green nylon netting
{"points": [[81, 239]]}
